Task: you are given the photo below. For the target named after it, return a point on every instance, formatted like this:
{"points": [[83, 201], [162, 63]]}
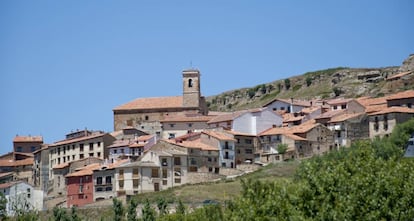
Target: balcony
{"points": [[228, 147]]}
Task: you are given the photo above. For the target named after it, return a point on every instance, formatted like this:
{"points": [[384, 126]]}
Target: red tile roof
{"points": [[394, 110], [197, 144], [226, 117], [201, 118], [396, 76], [61, 166], [401, 95], [218, 135], [152, 103], [87, 170], [344, 117], [77, 139], [15, 163], [330, 114], [28, 139], [338, 101]]}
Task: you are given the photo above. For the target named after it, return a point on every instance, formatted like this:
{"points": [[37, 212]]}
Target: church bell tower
{"points": [[191, 88]]}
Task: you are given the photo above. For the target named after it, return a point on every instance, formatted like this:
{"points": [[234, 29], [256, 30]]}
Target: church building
{"points": [[146, 113]]}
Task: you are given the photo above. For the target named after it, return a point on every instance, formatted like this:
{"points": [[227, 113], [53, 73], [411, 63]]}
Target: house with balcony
{"points": [[224, 142], [381, 123], [161, 167], [104, 180], [130, 148], [80, 186], [176, 126], [348, 128]]}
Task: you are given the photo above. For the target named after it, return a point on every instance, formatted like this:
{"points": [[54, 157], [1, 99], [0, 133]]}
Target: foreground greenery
{"points": [[368, 181]]}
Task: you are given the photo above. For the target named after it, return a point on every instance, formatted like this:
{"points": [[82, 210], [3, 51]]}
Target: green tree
{"points": [[148, 213], [60, 214], [132, 210], [308, 81], [282, 148], [162, 206], [74, 214], [3, 204], [180, 207], [337, 91], [287, 83], [118, 209]]}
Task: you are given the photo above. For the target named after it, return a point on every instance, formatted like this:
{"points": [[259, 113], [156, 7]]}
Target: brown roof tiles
{"points": [[394, 110], [401, 95], [28, 139], [152, 103]]}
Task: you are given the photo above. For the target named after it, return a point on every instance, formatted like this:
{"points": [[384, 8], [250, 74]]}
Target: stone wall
{"points": [[199, 177]]}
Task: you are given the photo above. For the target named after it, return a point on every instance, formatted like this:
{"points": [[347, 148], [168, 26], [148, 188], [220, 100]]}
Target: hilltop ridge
{"points": [[323, 84]]}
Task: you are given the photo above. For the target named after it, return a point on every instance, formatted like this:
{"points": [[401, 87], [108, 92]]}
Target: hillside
{"points": [[323, 84]]}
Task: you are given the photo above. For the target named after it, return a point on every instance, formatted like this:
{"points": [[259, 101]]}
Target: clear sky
{"points": [[64, 65]]}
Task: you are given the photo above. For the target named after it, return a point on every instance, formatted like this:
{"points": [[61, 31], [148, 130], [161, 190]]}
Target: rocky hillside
{"points": [[324, 84]]}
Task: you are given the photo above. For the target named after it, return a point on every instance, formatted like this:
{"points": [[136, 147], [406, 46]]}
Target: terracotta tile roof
{"points": [[226, 117], [152, 103], [308, 110], [330, 114], [338, 101], [15, 163], [83, 171], [375, 108], [238, 133], [295, 137], [395, 76], [63, 142], [197, 144], [188, 136], [61, 166], [344, 117], [275, 131], [393, 110], [401, 95], [368, 101], [290, 117], [137, 145], [5, 174], [144, 138], [120, 143], [303, 128], [28, 139], [201, 118], [218, 135], [7, 185]]}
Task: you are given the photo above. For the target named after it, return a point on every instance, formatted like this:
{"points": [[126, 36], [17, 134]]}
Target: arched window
{"points": [[190, 82]]}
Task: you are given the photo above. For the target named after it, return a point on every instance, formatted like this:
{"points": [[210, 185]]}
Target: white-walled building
{"points": [[21, 196]]}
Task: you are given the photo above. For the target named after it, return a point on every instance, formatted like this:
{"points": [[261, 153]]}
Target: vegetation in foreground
{"points": [[368, 181]]}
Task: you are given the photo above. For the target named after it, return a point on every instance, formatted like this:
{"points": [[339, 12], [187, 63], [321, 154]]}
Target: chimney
{"points": [[291, 105]]}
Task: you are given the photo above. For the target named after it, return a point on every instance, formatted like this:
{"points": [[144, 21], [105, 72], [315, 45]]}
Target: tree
{"points": [[282, 148], [308, 81], [337, 91], [180, 207], [59, 214], [148, 213], [287, 83], [162, 206], [74, 214], [3, 204], [132, 210], [118, 209]]}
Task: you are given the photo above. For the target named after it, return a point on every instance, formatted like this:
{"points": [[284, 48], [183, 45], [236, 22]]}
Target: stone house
{"points": [[80, 185], [349, 128], [22, 196], [40, 171], [245, 147], [27, 144], [381, 123], [130, 148], [176, 126], [225, 144], [403, 99], [162, 167], [77, 146], [146, 114], [104, 180], [20, 167]]}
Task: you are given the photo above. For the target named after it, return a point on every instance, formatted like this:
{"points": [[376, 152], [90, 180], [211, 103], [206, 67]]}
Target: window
{"points": [[249, 151], [193, 161], [98, 144], [58, 151], [177, 180], [99, 180], [172, 125], [248, 141], [343, 106], [80, 188], [135, 172], [32, 148], [115, 151], [99, 154], [164, 162], [177, 161], [108, 180], [73, 147], [238, 140], [90, 146], [154, 173], [108, 188], [81, 147], [91, 154], [121, 184], [28, 192], [177, 171], [121, 173], [190, 82], [135, 183], [129, 123], [146, 117], [171, 136], [209, 159], [164, 173], [190, 125], [99, 189], [164, 182], [73, 157]]}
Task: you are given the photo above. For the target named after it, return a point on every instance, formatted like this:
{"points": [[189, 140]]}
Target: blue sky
{"points": [[64, 65]]}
